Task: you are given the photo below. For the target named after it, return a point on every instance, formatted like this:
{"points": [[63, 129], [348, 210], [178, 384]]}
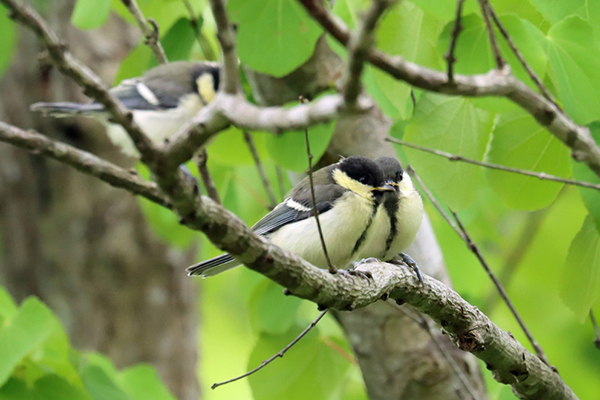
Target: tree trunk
{"points": [[399, 355], [80, 245]]}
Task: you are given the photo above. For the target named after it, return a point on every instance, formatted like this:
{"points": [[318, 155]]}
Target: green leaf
{"points": [[519, 141], [349, 10], [30, 327], [454, 125], [90, 14], [580, 278], [53, 387], [100, 385], [445, 9], [572, 51], [289, 148], [273, 36], [582, 172], [391, 95], [8, 39], [8, 307], [274, 312], [141, 382], [230, 148], [135, 64], [310, 369], [177, 42], [556, 10]]}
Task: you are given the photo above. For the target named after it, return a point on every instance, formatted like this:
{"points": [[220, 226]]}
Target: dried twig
{"points": [[331, 267], [485, 11], [280, 354], [226, 36], [596, 329], [83, 161], [457, 157], [359, 45], [457, 28], [201, 159], [151, 33], [261, 171], [207, 49], [475, 249], [532, 74]]}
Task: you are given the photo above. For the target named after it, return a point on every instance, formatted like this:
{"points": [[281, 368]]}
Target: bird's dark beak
{"points": [[384, 188]]}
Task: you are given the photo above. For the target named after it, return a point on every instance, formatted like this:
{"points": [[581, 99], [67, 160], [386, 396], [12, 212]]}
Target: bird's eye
{"points": [[363, 180]]}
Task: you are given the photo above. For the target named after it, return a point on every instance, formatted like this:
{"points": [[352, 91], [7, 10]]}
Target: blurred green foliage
{"points": [[38, 362], [246, 319]]}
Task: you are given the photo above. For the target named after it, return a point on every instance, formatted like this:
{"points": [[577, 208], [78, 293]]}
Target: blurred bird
{"points": [[347, 194], [161, 101], [398, 218]]}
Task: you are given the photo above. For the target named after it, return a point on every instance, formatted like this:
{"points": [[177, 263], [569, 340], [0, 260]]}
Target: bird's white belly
{"points": [[342, 227], [410, 215], [377, 237], [157, 125]]}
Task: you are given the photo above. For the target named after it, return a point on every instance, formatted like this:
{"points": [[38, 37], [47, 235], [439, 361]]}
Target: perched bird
{"points": [[347, 195], [398, 217], [162, 100]]}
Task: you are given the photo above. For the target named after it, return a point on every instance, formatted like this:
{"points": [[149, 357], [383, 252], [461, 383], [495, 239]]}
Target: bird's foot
{"points": [[407, 260], [365, 261], [351, 273]]}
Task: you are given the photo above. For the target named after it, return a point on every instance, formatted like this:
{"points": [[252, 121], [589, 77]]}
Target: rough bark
{"points": [[399, 358], [81, 246]]}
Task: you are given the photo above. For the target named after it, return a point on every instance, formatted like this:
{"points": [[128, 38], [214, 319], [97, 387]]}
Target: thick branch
{"points": [[82, 75], [226, 36], [150, 32], [83, 161], [499, 83]]}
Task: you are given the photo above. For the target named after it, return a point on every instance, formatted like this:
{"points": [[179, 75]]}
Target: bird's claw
{"points": [[407, 260], [365, 261], [351, 273]]}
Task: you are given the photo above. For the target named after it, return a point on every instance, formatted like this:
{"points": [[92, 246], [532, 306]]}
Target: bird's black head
{"points": [[391, 169], [362, 176]]}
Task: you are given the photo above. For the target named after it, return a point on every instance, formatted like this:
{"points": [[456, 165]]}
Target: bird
{"points": [[161, 101], [398, 217], [347, 196]]}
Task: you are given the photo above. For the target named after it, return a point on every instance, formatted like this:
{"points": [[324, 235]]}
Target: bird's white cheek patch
{"points": [[147, 94]]}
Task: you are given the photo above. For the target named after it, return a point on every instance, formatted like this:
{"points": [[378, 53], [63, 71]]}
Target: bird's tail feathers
{"points": [[66, 108], [213, 266]]}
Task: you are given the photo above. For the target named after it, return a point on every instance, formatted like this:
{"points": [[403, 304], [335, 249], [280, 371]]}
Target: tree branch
{"points": [[83, 161], [201, 158], [202, 40], [494, 83], [82, 75], [456, 29], [458, 157], [150, 32], [485, 11], [226, 36], [359, 45]]}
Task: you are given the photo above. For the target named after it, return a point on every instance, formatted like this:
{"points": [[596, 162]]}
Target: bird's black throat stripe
{"points": [[363, 236], [391, 205]]}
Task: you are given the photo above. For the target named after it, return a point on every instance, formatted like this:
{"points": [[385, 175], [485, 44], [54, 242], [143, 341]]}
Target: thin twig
{"points": [[530, 71], [332, 269], [151, 33], [596, 329], [457, 157], [410, 170], [201, 160], [226, 36], [514, 258], [207, 49], [485, 11], [456, 29], [82, 75], [359, 45], [280, 181], [84, 162], [280, 354], [475, 249], [261, 171]]}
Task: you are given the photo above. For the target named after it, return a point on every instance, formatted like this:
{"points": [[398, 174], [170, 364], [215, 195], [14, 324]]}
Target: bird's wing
{"points": [[299, 207], [136, 95]]}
